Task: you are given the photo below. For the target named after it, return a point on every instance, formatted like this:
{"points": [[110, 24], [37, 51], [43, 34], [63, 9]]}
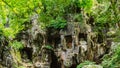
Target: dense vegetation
{"points": [[14, 14], [103, 14]]}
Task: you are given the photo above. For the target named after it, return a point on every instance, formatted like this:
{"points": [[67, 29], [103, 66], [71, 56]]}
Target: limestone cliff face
{"points": [[77, 43], [53, 48]]}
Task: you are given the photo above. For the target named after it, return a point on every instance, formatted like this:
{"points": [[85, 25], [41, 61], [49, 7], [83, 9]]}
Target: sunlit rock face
{"points": [[33, 38], [92, 66], [79, 43], [67, 57], [83, 45]]}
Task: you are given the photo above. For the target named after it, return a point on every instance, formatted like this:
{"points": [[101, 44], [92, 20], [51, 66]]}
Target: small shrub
{"points": [[17, 45], [85, 63], [113, 61]]}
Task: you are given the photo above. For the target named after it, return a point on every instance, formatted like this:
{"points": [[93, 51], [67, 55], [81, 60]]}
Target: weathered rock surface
{"points": [[64, 48]]}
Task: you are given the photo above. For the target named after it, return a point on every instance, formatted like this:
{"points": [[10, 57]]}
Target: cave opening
{"points": [[82, 36], [26, 53], [56, 41], [68, 39]]}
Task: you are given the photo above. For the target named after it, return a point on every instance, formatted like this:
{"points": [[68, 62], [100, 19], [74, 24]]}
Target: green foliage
{"points": [[17, 45], [112, 61], [85, 63], [117, 36], [59, 23], [15, 13], [1, 31], [53, 11], [106, 12], [48, 47], [87, 5]]}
